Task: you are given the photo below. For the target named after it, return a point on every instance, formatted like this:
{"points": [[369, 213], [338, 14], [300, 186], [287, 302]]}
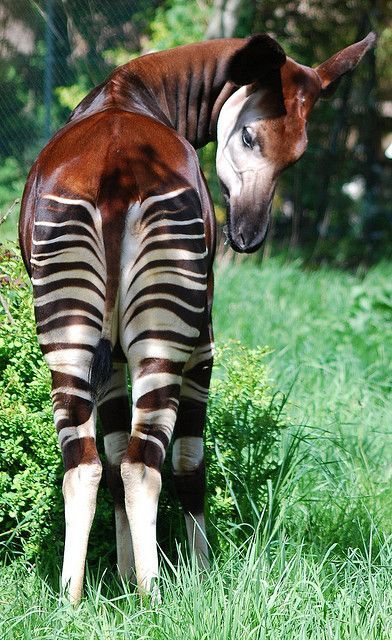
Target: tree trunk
{"points": [[224, 19]]}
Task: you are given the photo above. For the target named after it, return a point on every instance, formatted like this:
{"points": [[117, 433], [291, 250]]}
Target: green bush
{"points": [[29, 460], [243, 432], [241, 442]]}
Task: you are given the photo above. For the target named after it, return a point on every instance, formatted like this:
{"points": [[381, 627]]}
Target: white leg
{"points": [[188, 468], [197, 538], [80, 488], [115, 446], [125, 557], [142, 488]]}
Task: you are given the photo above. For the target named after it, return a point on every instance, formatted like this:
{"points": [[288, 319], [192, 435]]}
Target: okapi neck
{"points": [[184, 88]]}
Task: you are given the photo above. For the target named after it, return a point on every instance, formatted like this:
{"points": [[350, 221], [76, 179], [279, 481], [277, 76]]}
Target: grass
{"points": [[322, 569], [285, 593]]}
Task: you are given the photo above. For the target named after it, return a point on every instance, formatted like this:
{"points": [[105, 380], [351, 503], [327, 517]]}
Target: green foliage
{"points": [[321, 568], [282, 594], [331, 339], [31, 506], [244, 428], [241, 444], [70, 96], [29, 477], [12, 179], [177, 22]]}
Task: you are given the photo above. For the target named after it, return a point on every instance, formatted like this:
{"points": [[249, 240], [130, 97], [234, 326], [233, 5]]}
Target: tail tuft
{"points": [[100, 368]]}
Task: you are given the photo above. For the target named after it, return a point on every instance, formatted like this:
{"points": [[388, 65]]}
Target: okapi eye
{"points": [[247, 138]]}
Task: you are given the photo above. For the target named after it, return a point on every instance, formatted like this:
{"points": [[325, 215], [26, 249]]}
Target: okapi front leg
{"points": [[114, 412], [188, 450]]}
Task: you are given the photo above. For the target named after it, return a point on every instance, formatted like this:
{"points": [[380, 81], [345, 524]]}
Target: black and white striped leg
{"points": [[114, 412], [188, 450], [69, 285], [75, 421], [163, 295], [153, 418]]}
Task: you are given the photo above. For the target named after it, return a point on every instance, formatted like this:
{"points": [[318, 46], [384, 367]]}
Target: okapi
{"points": [[117, 233]]}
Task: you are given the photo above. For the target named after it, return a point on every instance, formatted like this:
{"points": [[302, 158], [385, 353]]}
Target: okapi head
{"points": [[262, 127]]}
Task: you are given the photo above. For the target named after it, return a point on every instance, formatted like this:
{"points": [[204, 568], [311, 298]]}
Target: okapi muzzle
{"points": [[262, 128]]}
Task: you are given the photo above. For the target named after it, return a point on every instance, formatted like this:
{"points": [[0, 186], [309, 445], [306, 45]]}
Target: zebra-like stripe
{"points": [[162, 299], [162, 302]]}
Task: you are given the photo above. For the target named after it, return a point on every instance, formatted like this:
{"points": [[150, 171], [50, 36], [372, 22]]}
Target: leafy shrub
{"points": [[243, 429], [29, 473], [12, 181], [31, 504]]}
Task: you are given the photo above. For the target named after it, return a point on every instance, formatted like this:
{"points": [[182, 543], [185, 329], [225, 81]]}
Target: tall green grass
{"points": [[318, 563], [331, 338], [277, 594]]}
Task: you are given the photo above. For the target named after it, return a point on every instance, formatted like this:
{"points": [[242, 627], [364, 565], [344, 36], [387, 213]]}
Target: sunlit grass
{"points": [[331, 338], [319, 564], [258, 591]]}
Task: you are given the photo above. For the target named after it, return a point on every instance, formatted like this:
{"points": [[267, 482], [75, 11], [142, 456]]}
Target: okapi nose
{"points": [[242, 241], [247, 240]]}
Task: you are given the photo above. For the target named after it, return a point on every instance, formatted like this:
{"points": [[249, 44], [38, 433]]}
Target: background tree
{"points": [[334, 204]]}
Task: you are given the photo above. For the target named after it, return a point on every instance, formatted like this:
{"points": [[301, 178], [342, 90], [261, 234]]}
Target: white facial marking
{"points": [[238, 165]]}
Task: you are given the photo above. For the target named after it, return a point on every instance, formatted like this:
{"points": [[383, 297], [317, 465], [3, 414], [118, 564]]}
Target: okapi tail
{"points": [[100, 368]]}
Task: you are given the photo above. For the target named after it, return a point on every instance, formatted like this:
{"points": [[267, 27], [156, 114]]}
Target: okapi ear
{"points": [[255, 60], [331, 71]]}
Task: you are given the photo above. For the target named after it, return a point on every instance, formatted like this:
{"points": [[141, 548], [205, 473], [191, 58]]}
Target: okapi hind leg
{"points": [[188, 450], [152, 426], [73, 318], [163, 296], [115, 416], [75, 418]]}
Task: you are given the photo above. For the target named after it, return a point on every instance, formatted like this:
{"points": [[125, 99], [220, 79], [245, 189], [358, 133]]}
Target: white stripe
{"points": [[173, 223], [170, 350], [144, 436], [162, 276], [198, 356], [164, 417], [73, 334], [68, 255], [151, 382], [66, 223], [76, 293], [66, 237], [166, 296], [70, 313], [83, 203], [159, 320], [72, 391], [170, 237], [85, 430], [80, 274], [93, 211], [165, 196]]}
